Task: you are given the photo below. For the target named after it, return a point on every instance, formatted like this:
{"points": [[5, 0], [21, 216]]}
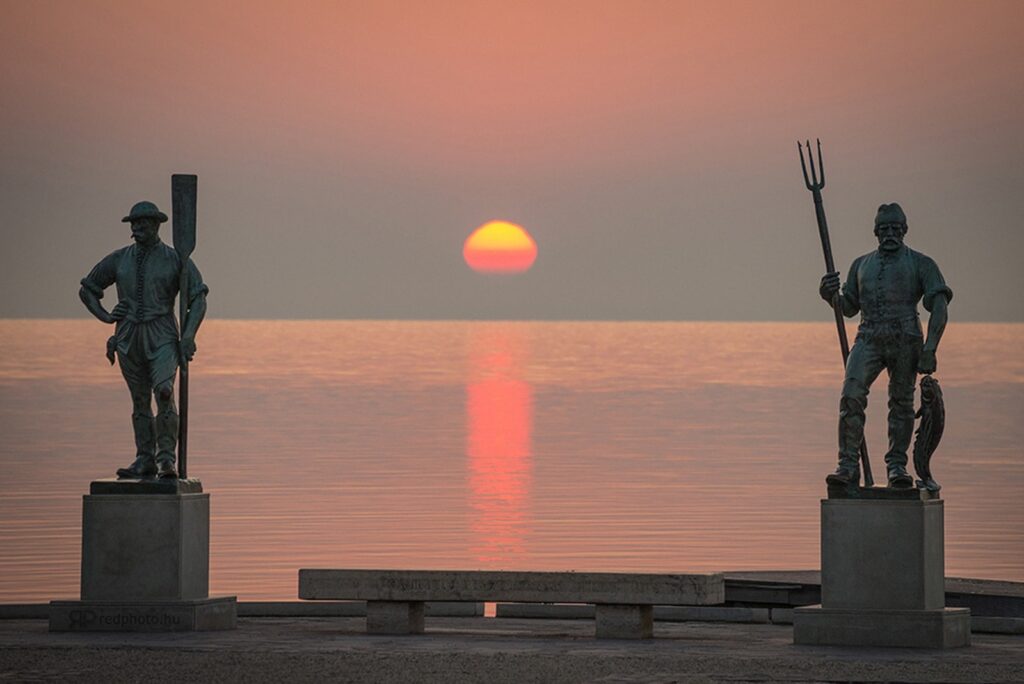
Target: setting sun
{"points": [[500, 247]]}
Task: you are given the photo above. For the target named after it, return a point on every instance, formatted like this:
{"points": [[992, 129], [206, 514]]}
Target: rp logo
{"points": [[82, 619]]}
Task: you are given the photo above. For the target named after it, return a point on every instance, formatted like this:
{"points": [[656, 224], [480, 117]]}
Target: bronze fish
{"points": [[932, 415]]}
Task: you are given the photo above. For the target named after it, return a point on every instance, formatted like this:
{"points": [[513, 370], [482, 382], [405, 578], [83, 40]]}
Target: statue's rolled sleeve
{"points": [[102, 276], [196, 286], [92, 287], [933, 284]]}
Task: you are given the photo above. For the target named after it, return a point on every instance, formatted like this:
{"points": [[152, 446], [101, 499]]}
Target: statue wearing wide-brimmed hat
{"points": [[143, 210], [146, 342]]}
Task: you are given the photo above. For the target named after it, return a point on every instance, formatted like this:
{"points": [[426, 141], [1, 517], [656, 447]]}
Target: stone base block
{"points": [[145, 547], [882, 555], [394, 617], [941, 628], [616, 621], [193, 615]]}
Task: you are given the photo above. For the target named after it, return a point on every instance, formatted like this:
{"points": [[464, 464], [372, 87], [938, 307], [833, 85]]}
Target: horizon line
{"points": [[850, 321]]}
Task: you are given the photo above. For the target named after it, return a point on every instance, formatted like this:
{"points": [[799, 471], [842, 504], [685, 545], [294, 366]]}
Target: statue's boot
{"points": [[165, 469], [145, 445], [901, 431], [846, 475], [166, 442], [851, 434], [899, 478], [142, 468]]}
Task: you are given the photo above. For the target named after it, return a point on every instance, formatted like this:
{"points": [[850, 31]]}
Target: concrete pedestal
{"points": [[942, 628], [190, 615], [882, 578], [145, 561], [145, 547]]}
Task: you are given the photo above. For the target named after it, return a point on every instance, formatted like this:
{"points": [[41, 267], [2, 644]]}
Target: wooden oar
{"points": [[183, 201]]}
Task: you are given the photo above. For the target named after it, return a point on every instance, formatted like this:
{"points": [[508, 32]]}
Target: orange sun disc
{"points": [[499, 247]]}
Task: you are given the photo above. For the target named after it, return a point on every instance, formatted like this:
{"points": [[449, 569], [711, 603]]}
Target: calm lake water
{"points": [[556, 446]]}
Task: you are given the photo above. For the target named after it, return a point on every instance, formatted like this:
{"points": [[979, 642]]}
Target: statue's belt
{"points": [[904, 325], [149, 316]]}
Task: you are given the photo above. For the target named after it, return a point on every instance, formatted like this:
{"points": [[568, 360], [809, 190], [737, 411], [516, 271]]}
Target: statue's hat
{"points": [[143, 210], [890, 213]]}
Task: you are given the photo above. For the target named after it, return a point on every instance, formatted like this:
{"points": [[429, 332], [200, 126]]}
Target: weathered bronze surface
{"points": [[929, 431], [146, 342], [885, 287]]}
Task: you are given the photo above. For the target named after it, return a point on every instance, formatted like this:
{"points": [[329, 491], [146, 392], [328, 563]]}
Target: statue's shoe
{"points": [[165, 470], [900, 480], [844, 477], [141, 469]]}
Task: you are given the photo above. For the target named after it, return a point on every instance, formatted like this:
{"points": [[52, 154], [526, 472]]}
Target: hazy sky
{"points": [[345, 150]]}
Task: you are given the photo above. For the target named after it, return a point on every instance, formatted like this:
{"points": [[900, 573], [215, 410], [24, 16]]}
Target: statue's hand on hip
{"points": [[927, 364], [119, 312]]}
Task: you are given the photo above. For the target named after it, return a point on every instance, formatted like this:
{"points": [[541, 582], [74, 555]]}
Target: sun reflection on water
{"points": [[499, 411]]}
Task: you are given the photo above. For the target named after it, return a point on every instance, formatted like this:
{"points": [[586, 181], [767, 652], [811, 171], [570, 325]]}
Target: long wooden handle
{"points": [[183, 288], [837, 308], [183, 201]]}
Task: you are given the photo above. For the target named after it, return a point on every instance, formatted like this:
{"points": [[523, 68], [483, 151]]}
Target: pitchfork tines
{"points": [[813, 183]]}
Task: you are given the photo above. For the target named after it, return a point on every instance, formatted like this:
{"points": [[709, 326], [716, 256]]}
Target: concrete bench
{"points": [[623, 601]]}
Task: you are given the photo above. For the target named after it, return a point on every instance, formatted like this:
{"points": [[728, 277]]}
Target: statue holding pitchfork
{"points": [[885, 287]]}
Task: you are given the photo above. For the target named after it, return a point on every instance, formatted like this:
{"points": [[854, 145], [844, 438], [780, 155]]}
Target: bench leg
{"points": [[618, 621], [394, 617]]}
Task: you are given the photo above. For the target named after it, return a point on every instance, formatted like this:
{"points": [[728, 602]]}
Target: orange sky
{"points": [[477, 82], [539, 112]]}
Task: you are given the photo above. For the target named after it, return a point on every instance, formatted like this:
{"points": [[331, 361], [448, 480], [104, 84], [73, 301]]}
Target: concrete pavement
{"points": [[492, 650]]}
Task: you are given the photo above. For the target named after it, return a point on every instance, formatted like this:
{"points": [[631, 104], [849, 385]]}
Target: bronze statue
{"points": [[145, 341], [885, 286]]}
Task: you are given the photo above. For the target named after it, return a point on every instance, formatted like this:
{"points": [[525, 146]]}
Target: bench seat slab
{"points": [[514, 586]]}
